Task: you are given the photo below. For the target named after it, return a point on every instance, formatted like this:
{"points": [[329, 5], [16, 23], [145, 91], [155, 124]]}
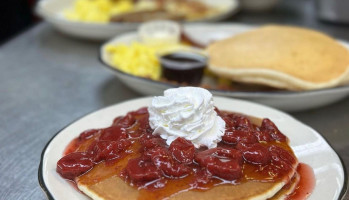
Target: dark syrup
{"points": [[183, 67]]}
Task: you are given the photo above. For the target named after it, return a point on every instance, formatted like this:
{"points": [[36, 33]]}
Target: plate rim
{"points": [[49, 196]]}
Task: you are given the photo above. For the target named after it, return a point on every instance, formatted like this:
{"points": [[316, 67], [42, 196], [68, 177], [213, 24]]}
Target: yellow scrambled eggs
{"points": [[136, 59], [98, 11], [140, 59]]}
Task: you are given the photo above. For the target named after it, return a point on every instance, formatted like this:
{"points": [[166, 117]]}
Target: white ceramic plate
{"points": [[203, 34], [51, 11], [308, 145]]}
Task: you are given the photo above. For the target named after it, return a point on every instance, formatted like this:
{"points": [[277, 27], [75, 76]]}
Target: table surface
{"points": [[48, 80]]}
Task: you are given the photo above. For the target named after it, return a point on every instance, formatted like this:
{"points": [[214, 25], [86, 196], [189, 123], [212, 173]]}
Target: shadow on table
{"points": [[113, 91]]}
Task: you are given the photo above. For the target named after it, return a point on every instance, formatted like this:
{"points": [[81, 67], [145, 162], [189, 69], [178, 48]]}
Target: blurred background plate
{"points": [[205, 33], [51, 11]]}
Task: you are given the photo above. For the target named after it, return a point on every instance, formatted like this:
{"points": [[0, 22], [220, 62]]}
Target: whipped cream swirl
{"points": [[186, 112]]}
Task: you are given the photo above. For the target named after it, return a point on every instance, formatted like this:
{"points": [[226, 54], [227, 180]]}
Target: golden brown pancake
{"points": [[103, 183], [283, 57], [115, 188], [287, 189]]}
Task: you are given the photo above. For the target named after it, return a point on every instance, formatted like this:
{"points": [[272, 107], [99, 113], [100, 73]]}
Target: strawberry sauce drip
{"points": [[305, 185]]}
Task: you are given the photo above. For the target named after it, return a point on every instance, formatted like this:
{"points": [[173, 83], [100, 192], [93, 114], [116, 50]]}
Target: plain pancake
{"points": [[282, 57]]}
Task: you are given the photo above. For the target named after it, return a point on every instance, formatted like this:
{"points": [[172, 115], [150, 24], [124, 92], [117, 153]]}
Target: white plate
{"points": [[51, 11], [308, 145], [203, 34]]}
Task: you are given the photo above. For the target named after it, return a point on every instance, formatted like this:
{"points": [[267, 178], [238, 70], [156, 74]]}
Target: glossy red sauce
{"points": [[128, 149], [305, 185], [72, 146]]}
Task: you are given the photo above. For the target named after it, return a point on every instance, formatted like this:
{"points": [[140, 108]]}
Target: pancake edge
{"points": [[276, 79], [268, 194]]}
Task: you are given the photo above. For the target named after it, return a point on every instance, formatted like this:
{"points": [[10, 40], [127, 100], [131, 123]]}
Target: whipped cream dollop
{"points": [[186, 112]]}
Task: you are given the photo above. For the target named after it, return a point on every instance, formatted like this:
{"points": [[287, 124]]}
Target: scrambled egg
{"points": [[136, 59], [98, 11], [140, 59]]}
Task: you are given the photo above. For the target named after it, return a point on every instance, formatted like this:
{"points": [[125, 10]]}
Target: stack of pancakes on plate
{"points": [[283, 57]]}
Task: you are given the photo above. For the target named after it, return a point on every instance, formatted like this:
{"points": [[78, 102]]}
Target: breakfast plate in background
{"points": [[53, 12], [308, 145], [203, 34]]}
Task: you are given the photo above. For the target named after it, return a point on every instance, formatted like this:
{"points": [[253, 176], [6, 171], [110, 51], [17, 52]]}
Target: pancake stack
{"points": [[103, 183], [284, 57], [115, 188]]}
